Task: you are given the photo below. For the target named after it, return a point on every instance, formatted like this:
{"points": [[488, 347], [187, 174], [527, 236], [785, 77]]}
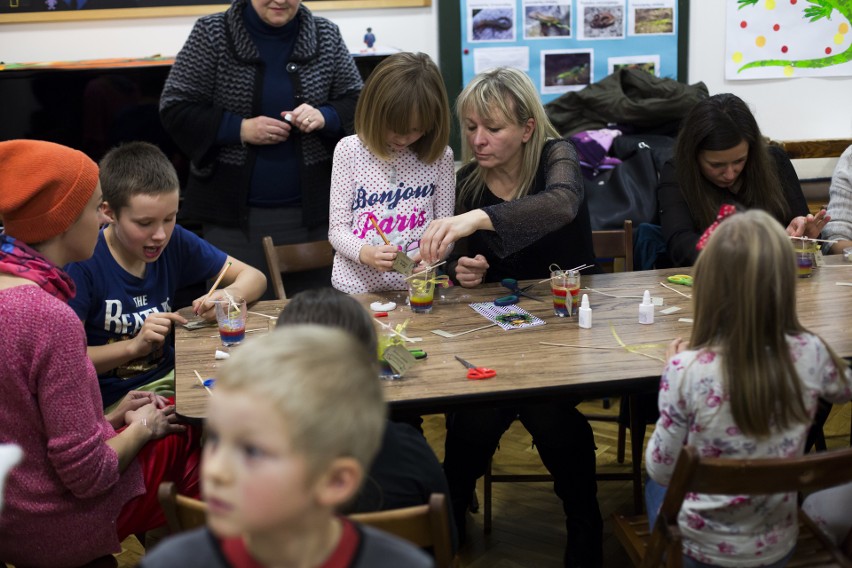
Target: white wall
{"points": [[411, 29], [786, 109]]}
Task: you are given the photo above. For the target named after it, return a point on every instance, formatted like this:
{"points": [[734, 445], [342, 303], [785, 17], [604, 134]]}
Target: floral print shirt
{"points": [[732, 530]]}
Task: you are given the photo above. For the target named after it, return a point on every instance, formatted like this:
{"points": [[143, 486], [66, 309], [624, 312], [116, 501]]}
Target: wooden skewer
{"points": [[664, 285], [263, 315], [427, 270], [216, 283], [200, 380], [378, 230], [810, 239], [577, 346]]}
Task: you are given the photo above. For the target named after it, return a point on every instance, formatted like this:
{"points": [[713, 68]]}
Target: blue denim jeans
{"points": [[654, 495]]}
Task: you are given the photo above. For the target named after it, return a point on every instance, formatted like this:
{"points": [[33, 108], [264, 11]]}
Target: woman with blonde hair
{"points": [[520, 199], [520, 208], [746, 386]]}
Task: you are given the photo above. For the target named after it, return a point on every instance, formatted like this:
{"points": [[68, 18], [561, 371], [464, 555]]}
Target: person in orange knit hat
{"points": [[86, 481]]}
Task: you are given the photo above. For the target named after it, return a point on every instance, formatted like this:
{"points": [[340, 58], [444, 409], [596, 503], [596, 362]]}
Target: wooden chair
{"points": [[285, 259], [616, 244], [694, 474], [425, 526], [182, 513]]}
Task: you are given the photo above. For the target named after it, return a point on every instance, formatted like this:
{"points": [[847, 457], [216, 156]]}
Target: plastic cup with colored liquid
{"points": [[561, 295], [231, 317], [573, 284], [805, 260], [421, 292]]}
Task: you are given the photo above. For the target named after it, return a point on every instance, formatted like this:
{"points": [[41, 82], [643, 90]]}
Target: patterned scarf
{"points": [[18, 259]]}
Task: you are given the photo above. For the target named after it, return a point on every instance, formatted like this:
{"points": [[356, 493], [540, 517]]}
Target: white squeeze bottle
{"points": [[646, 309], [585, 313]]}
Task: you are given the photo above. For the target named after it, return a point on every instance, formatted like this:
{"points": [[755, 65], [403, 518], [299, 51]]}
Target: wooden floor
{"points": [[528, 523]]}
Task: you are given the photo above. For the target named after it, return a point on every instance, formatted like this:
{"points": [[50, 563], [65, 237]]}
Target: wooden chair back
{"points": [[425, 526], [284, 259], [616, 244], [717, 476], [182, 513]]}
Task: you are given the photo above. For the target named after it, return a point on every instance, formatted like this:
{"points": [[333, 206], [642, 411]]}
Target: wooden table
{"points": [[527, 370]]}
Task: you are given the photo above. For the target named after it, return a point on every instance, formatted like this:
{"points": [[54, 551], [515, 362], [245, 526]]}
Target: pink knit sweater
{"points": [[63, 499]]}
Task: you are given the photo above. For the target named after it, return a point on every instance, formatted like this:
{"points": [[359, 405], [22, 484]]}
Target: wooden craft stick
{"points": [[664, 285], [200, 380], [577, 346], [378, 230], [428, 269], [810, 239], [263, 315], [216, 283], [395, 332]]}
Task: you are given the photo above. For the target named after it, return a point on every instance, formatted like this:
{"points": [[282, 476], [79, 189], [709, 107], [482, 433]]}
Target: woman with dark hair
{"points": [[722, 158]]}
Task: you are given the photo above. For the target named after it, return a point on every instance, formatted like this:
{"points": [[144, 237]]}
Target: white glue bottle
{"points": [[646, 309], [585, 313]]}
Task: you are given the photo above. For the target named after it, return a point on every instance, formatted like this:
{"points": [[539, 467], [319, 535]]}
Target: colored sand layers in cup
{"points": [[421, 294], [231, 317], [565, 287]]}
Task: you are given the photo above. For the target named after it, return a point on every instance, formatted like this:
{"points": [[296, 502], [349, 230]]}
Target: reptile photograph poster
{"points": [[770, 39], [565, 45]]}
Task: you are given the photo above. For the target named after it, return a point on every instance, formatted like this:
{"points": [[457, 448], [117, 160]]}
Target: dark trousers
{"points": [[566, 445]]}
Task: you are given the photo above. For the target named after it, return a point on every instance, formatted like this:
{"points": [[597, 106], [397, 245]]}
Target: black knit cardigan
{"points": [[219, 68]]}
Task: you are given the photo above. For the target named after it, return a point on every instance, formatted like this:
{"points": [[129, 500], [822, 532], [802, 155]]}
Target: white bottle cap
{"points": [[646, 298], [584, 303]]}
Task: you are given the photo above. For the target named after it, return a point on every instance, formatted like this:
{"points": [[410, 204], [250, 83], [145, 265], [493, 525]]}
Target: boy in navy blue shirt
{"points": [[126, 290]]}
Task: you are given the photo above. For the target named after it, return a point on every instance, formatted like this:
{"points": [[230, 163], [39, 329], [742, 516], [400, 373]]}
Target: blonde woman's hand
{"points": [[442, 233], [471, 271]]}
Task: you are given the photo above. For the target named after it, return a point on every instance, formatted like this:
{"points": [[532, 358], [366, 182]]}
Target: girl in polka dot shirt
{"points": [[396, 172], [745, 387]]}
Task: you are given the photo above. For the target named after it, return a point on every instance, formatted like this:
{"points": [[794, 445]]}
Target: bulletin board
{"points": [[565, 45]]}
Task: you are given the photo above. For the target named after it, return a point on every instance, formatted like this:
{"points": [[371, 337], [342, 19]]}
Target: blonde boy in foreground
{"points": [[295, 419]]}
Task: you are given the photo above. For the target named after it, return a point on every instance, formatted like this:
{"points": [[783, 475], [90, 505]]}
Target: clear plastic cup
{"points": [[231, 317], [421, 292]]}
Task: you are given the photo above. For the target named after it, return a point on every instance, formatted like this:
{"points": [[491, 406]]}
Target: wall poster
{"points": [[769, 39], [565, 45]]}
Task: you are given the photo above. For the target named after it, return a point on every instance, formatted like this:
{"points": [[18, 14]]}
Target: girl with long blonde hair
{"points": [[746, 386]]}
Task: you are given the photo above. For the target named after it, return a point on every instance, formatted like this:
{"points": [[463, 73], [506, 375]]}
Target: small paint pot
{"points": [[847, 254]]}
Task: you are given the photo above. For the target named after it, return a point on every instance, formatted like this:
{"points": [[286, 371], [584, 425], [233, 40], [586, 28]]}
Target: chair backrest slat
{"points": [[616, 243], [694, 474], [285, 259]]}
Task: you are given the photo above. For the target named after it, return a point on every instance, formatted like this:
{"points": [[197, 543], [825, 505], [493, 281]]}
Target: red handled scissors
{"points": [[477, 373]]}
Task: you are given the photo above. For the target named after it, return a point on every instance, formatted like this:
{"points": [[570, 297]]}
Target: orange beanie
{"points": [[43, 188]]}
